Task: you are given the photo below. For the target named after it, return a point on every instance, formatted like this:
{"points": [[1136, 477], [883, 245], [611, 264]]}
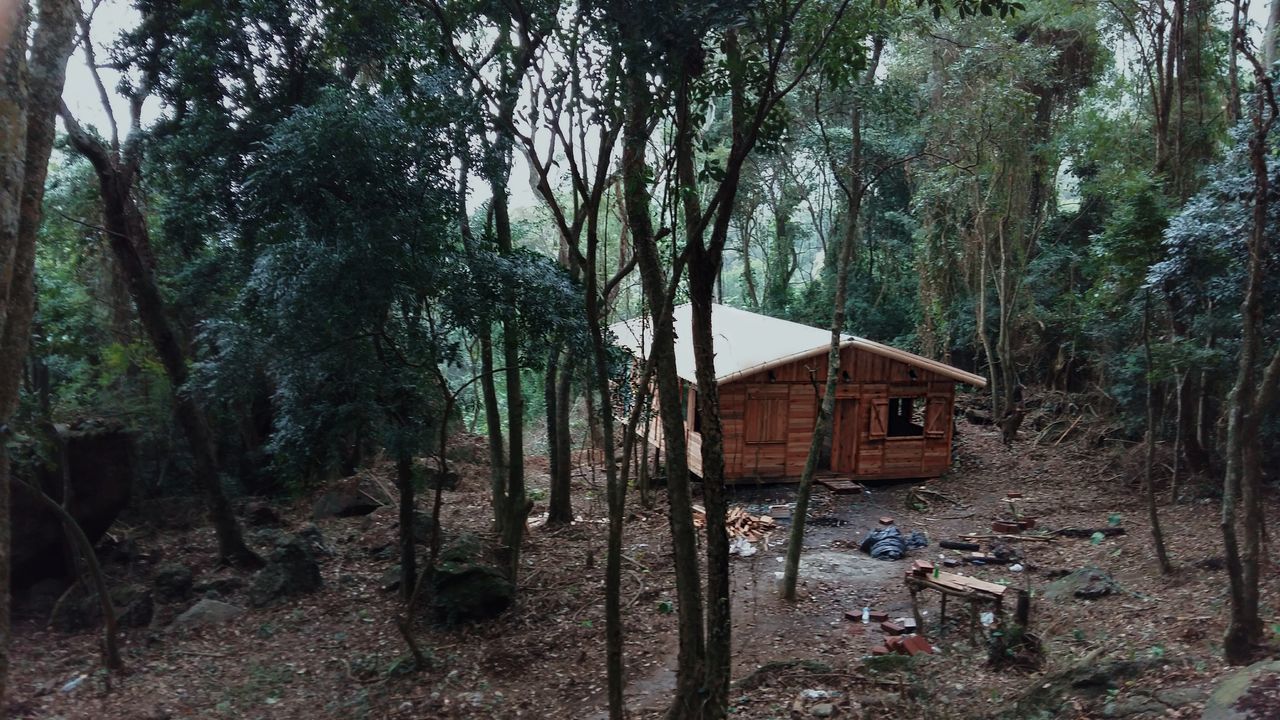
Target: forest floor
{"points": [[337, 653]]}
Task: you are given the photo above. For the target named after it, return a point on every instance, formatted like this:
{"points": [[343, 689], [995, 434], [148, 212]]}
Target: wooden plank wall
{"points": [[865, 378]]}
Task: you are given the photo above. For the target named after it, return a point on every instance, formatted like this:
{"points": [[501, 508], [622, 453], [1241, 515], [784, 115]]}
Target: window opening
{"points": [[906, 417]]}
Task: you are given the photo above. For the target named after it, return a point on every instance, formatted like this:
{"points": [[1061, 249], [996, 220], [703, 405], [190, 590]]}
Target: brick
{"points": [[922, 568], [909, 625], [879, 650], [892, 627], [951, 562], [886, 520], [917, 645], [879, 616], [1005, 527], [894, 642]]}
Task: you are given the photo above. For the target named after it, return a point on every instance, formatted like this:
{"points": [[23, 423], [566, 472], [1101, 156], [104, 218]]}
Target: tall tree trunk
{"points": [[1249, 401], [29, 92], [127, 233], [853, 188], [517, 503], [692, 648]]}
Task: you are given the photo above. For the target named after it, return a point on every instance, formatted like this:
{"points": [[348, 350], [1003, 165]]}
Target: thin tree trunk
{"points": [[1153, 513], [549, 397], [493, 425], [853, 189], [692, 648], [517, 503], [561, 507], [83, 549], [126, 233], [1248, 403], [408, 551]]}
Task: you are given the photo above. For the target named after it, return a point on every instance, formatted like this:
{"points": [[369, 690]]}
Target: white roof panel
{"points": [[747, 343]]}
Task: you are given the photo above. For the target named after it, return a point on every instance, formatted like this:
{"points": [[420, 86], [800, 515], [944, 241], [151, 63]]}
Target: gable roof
{"points": [[748, 343]]}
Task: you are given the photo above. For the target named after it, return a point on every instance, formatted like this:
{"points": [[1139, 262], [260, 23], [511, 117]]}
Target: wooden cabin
{"points": [[893, 412]]}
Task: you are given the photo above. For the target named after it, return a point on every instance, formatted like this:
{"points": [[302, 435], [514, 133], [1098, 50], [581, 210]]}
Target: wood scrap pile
{"points": [[739, 523]]}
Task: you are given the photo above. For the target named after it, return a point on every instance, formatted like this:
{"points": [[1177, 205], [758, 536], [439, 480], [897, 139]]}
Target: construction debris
{"points": [[739, 523]]}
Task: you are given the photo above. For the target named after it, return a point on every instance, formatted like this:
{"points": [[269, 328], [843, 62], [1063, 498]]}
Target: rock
{"points": [[345, 499], [823, 710], [314, 540], [173, 582], [391, 579], [1249, 694], [219, 587], [99, 468], [447, 481], [466, 588], [423, 525], [1133, 706], [207, 612], [138, 609], [291, 570], [1177, 697], [1088, 583], [80, 610], [260, 514]]}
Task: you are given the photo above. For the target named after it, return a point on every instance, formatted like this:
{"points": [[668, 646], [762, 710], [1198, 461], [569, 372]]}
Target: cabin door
{"points": [[844, 436]]}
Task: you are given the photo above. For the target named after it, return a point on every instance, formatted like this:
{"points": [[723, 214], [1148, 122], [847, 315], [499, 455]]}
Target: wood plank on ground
{"points": [[840, 486]]}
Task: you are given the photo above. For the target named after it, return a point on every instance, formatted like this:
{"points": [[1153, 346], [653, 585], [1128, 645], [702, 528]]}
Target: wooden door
{"points": [[844, 437]]}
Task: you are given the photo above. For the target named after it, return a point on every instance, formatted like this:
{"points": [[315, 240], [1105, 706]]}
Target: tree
{"points": [[118, 170], [1255, 389], [853, 182], [31, 81]]}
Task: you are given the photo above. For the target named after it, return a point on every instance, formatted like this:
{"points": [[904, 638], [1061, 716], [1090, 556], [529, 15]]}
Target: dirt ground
{"points": [[337, 653]]}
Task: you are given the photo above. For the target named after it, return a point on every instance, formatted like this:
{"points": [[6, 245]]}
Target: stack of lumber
{"points": [[739, 523]]}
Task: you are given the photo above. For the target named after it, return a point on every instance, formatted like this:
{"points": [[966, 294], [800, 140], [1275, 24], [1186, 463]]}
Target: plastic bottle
{"points": [[866, 615]]}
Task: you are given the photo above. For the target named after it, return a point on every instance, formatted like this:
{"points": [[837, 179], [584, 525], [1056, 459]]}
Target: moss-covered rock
{"points": [[291, 570], [467, 587]]}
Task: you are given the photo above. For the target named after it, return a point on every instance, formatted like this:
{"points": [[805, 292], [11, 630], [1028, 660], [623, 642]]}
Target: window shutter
{"points": [[879, 426], [936, 416]]}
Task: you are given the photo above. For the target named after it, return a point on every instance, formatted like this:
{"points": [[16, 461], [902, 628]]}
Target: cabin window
{"points": [[765, 419], [906, 417]]}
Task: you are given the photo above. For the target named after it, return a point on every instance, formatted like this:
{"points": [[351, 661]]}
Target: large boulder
{"points": [[1249, 694], [80, 610], [291, 570], [207, 612], [345, 498], [96, 461], [466, 587]]}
